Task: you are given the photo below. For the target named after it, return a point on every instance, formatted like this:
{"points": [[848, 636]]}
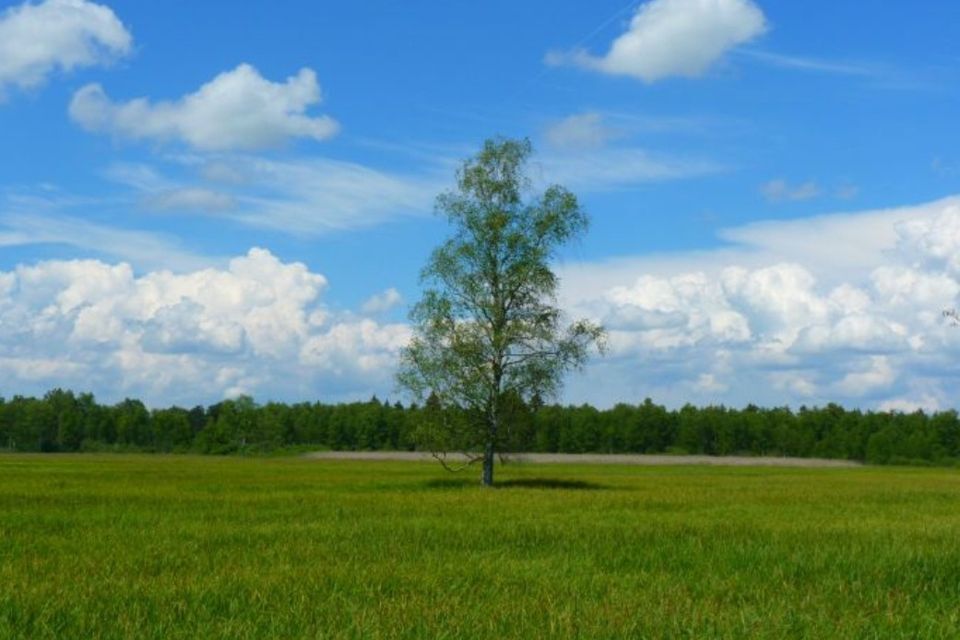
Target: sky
{"points": [[205, 199]]}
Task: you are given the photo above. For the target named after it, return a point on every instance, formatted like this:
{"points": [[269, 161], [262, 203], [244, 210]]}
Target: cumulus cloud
{"points": [[362, 348], [256, 326], [37, 39], [764, 322], [237, 110], [383, 301], [933, 241], [921, 402], [674, 38], [876, 375], [839, 308]]}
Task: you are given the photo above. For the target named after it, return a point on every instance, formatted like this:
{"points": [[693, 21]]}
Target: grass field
{"points": [[188, 547]]}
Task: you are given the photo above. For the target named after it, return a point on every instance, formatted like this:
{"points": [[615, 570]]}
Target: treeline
{"points": [[62, 421]]}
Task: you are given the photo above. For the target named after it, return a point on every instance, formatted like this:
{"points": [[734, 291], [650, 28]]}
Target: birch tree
{"points": [[487, 331]]}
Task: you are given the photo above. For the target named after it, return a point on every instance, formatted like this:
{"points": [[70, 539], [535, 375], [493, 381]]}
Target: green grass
{"points": [[187, 547]]}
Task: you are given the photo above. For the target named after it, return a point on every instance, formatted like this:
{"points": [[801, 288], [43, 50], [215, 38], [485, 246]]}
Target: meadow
{"points": [[111, 546]]}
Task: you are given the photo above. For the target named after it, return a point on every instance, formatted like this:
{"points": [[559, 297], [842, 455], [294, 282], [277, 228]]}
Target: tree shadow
{"points": [[551, 483], [517, 483]]}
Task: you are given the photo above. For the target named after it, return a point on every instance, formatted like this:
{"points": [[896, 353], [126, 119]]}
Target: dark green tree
{"points": [[171, 429], [133, 423], [487, 330]]}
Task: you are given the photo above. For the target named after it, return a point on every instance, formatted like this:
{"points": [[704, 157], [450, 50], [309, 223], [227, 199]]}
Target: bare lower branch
{"points": [[441, 457]]}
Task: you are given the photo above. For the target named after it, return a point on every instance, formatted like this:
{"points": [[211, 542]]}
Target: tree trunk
{"points": [[487, 478]]}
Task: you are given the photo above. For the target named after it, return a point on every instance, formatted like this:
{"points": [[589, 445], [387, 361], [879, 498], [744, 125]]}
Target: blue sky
{"points": [[205, 199]]}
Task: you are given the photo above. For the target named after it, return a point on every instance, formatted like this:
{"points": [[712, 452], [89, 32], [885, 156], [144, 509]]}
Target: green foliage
{"points": [[63, 421], [488, 333], [187, 547]]}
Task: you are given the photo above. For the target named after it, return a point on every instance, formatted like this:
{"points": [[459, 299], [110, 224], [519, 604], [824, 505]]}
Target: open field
{"points": [[635, 459], [186, 547]]}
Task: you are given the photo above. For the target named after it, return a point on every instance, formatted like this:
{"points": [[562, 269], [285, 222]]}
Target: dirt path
{"points": [[598, 458]]}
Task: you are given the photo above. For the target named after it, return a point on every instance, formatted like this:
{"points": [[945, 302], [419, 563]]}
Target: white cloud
{"points": [[612, 168], [223, 172], [382, 302], [190, 199], [580, 131], [37, 39], [708, 383], [256, 326], [319, 195], [932, 240], [316, 195], [143, 248], [814, 65], [844, 308], [237, 110], [874, 74], [760, 321], [362, 348], [38, 369], [302, 196], [779, 190], [674, 38], [876, 375], [911, 405]]}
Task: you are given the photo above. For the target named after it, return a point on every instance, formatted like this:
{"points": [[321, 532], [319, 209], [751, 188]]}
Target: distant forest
{"points": [[63, 421]]}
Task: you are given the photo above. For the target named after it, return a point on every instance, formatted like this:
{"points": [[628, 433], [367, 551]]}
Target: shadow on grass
{"points": [[518, 483]]}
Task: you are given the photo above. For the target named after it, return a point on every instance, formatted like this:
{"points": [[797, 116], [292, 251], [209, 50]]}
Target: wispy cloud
{"points": [[319, 195], [304, 195], [813, 65], [847, 191], [598, 128], [581, 131], [779, 190], [617, 168], [945, 168], [143, 249], [190, 199], [157, 192], [874, 74]]}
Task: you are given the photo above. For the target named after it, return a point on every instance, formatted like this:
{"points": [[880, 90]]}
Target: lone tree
{"points": [[488, 335]]}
